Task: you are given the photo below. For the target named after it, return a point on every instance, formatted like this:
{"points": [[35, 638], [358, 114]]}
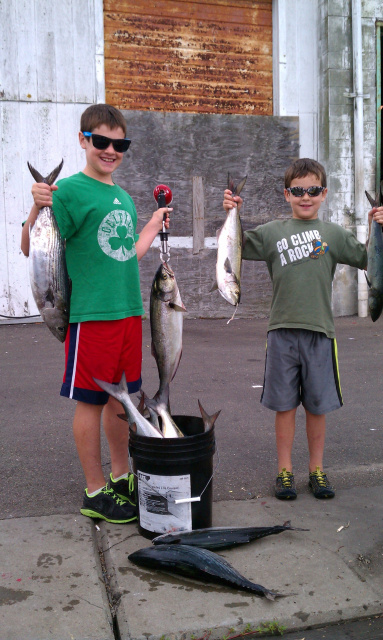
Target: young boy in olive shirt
{"points": [[301, 254]]}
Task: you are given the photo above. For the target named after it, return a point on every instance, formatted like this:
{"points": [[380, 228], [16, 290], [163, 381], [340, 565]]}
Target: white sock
{"points": [[123, 477], [94, 493]]}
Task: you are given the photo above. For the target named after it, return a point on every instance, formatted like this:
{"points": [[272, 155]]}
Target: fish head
{"points": [[231, 291], [375, 304], [56, 321], [164, 284]]}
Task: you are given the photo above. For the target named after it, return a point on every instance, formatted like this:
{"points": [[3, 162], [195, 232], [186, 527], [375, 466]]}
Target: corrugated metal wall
{"points": [[210, 56]]}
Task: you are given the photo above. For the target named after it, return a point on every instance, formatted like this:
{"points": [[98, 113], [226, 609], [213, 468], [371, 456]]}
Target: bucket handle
{"points": [[180, 500]]}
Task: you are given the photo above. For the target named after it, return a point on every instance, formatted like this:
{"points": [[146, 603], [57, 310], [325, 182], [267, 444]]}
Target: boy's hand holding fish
{"points": [[230, 201], [42, 194]]}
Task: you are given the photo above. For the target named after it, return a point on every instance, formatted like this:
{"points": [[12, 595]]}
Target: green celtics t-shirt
{"points": [[301, 256], [98, 222]]}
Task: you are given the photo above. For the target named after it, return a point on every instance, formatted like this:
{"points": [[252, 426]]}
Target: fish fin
{"points": [[371, 200], [122, 416], [106, 386], [214, 287], [141, 404], [208, 420], [37, 176], [287, 523], [49, 178], [177, 307], [235, 189], [227, 266], [161, 398], [368, 281]]}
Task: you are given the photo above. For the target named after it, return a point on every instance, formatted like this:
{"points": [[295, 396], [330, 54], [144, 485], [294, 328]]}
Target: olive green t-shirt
{"points": [[301, 256], [98, 222]]}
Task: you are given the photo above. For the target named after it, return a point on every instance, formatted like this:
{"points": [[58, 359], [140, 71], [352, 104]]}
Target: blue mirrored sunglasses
{"points": [[102, 142]]}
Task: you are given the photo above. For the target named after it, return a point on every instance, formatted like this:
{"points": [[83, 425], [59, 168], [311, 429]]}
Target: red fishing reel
{"points": [[163, 196]]}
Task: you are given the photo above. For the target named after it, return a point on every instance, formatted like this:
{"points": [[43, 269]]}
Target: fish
{"points": [[214, 538], [160, 407], [166, 325], [48, 273], [121, 393], [208, 421], [229, 252], [374, 275], [199, 564]]}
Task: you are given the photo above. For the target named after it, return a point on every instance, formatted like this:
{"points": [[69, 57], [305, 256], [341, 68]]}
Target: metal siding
{"points": [[49, 74], [203, 57]]}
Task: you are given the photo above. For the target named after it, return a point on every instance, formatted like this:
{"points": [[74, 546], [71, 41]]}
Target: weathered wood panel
{"points": [[182, 146], [211, 56]]}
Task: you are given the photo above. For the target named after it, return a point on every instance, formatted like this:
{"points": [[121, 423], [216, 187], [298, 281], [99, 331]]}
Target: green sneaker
{"points": [[124, 488], [106, 505], [285, 486], [319, 485]]}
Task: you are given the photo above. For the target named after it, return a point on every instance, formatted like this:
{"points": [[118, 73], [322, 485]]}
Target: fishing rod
{"points": [[163, 196]]}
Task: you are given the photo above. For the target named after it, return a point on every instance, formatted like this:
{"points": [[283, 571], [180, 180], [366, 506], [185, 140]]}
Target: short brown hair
{"points": [[302, 167], [98, 114]]}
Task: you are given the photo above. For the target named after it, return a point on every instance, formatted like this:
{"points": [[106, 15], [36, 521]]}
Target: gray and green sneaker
{"points": [[124, 488], [285, 486], [106, 505], [320, 485]]}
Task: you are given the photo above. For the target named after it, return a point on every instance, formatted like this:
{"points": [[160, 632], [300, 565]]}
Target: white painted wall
{"points": [[295, 68], [51, 69]]}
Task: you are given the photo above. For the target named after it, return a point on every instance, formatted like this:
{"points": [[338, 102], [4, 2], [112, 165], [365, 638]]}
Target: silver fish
{"points": [[374, 274], [47, 266], [160, 407], [166, 324], [197, 563], [121, 393], [229, 253], [208, 421], [215, 538]]}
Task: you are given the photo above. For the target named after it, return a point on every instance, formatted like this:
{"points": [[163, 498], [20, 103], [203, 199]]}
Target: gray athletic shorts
{"points": [[301, 367]]}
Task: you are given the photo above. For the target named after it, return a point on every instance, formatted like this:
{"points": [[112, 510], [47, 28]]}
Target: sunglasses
{"points": [[102, 142], [298, 192]]}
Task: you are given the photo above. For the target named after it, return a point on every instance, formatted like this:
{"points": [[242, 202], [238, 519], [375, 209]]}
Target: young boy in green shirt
{"points": [[301, 254], [98, 220]]}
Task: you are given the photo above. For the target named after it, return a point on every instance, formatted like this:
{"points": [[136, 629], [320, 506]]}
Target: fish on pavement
{"points": [[48, 273], [374, 274], [199, 564], [160, 407], [214, 538], [121, 393], [166, 325], [229, 253]]}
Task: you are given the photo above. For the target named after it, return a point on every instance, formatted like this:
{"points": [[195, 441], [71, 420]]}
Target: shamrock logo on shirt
{"points": [[116, 235], [122, 240]]}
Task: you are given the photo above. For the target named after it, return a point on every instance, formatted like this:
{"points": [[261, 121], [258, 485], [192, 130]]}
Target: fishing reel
{"points": [[163, 196]]}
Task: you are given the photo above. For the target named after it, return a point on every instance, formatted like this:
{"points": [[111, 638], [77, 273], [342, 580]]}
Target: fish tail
{"points": [[162, 397], [208, 420], [235, 189], [113, 389], [49, 179]]}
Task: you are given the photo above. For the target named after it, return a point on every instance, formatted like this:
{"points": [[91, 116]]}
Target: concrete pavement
{"points": [[68, 577]]}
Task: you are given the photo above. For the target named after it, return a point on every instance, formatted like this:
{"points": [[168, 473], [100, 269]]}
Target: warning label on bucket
{"points": [[156, 495]]}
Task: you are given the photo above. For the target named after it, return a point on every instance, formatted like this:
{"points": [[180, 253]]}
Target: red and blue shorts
{"points": [[105, 350]]}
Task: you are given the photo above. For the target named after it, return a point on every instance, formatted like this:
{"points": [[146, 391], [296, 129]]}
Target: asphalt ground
{"points": [[222, 366]]}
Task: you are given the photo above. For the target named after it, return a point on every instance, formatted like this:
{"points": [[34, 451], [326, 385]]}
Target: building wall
{"points": [[210, 56], [336, 108], [51, 69]]}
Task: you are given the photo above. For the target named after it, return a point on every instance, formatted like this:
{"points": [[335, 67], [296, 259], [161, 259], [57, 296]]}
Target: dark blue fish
{"points": [[222, 537], [199, 564]]}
